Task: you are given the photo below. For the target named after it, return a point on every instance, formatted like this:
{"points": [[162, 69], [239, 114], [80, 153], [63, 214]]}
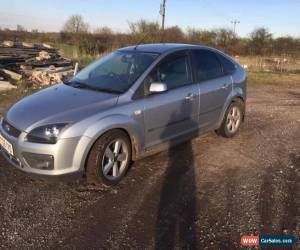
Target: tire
{"points": [[231, 124], [105, 164]]}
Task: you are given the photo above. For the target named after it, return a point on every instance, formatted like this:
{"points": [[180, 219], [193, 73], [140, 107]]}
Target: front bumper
{"points": [[69, 156]]}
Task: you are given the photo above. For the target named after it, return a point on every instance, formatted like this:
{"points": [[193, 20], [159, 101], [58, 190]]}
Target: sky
{"points": [[281, 17]]}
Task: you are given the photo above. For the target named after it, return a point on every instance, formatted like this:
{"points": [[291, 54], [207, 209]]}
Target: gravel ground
{"points": [[203, 194]]}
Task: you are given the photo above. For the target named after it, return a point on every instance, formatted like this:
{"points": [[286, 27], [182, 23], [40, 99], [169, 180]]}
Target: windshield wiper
{"points": [[75, 84], [81, 85], [113, 91]]}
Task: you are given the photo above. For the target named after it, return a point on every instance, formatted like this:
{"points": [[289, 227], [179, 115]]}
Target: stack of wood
{"points": [[39, 64]]}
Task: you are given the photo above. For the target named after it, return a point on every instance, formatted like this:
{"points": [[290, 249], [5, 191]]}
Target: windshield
{"points": [[115, 72]]}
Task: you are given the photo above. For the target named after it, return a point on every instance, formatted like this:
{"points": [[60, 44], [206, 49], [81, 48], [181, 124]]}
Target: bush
{"points": [[260, 42]]}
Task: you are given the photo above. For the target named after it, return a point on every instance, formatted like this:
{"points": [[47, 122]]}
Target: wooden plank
{"points": [[5, 85], [12, 75]]}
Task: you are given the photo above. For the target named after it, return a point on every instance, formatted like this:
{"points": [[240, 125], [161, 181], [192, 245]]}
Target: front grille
{"points": [[11, 130]]}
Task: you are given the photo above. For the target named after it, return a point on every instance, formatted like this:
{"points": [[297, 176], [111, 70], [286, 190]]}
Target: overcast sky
{"points": [[281, 17]]}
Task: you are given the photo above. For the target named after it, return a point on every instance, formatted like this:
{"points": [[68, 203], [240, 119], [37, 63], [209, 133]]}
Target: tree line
{"points": [[77, 32]]}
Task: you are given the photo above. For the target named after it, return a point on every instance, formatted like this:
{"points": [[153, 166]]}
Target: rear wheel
{"points": [[109, 158], [232, 119]]}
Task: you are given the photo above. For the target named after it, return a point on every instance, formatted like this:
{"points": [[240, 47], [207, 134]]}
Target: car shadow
{"points": [[175, 222]]}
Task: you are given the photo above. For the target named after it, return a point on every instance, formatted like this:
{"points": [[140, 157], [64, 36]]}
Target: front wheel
{"points": [[109, 158], [232, 119]]}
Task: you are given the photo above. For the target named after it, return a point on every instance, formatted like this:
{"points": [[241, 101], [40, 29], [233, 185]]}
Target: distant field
{"points": [[270, 63], [253, 63], [273, 78]]}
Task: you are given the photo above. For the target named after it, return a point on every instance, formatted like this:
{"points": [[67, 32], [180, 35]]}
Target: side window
{"points": [[228, 66], [173, 71], [207, 65]]}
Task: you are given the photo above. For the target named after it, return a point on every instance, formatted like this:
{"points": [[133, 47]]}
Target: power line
{"points": [[235, 22], [162, 12]]}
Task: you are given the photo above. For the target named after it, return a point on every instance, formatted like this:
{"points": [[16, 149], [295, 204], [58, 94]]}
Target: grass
{"points": [[72, 52], [272, 78], [270, 63], [85, 60], [11, 96], [68, 51]]}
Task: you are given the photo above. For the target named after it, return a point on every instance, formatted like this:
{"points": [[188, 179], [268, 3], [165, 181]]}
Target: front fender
{"points": [[130, 125]]}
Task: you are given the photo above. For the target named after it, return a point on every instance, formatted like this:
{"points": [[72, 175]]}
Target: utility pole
{"points": [[235, 22], [162, 12]]}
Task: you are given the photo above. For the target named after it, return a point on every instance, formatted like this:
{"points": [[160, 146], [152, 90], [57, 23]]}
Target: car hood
{"points": [[57, 104]]}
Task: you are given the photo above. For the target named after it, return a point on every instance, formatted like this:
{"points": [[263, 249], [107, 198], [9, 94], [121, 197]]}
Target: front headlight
{"points": [[46, 134]]}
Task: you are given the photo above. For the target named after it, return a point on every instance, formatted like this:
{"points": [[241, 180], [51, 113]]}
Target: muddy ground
{"points": [[202, 194]]}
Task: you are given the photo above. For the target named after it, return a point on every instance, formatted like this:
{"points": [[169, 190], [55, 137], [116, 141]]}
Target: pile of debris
{"points": [[38, 64]]}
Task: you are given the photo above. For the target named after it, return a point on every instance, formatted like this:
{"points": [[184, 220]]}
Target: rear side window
{"points": [[207, 65], [228, 66]]}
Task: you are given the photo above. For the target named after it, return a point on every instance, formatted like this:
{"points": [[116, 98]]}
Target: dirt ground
{"points": [[203, 194]]}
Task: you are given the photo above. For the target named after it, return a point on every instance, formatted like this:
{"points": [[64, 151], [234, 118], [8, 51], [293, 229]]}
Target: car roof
{"points": [[159, 47]]}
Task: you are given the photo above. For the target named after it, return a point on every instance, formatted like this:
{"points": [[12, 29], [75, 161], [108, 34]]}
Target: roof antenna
{"points": [[141, 40]]}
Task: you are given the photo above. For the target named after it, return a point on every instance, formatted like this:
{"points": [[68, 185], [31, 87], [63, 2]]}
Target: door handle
{"points": [[189, 97], [226, 86]]}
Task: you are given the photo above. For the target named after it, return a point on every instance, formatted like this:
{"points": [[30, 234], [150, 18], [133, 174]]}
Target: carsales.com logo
{"points": [[249, 241], [268, 240]]}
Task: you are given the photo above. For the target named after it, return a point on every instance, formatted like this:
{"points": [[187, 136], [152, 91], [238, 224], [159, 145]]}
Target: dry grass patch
{"points": [[271, 78]]}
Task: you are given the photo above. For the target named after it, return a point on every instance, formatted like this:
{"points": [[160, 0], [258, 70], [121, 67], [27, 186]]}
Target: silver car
{"points": [[129, 104]]}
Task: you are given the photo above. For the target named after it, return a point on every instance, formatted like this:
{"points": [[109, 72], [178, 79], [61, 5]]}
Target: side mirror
{"points": [[158, 87]]}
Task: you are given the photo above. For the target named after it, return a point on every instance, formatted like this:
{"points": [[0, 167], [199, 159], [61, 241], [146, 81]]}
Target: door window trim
{"points": [[140, 92]]}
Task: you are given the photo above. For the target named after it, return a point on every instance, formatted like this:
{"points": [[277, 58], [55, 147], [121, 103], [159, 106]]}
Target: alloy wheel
{"points": [[115, 159], [233, 119]]}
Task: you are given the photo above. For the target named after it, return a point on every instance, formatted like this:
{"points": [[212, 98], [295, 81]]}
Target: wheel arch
{"points": [[242, 100], [116, 122], [231, 98]]}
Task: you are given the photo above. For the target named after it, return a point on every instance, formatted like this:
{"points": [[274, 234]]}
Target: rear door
{"points": [[215, 86], [175, 112]]}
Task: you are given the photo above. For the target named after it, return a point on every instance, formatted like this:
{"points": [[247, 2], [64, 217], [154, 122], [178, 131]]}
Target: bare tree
{"points": [[143, 26], [287, 45], [260, 41], [145, 31], [103, 31], [20, 28], [174, 34], [75, 24], [205, 37], [225, 38]]}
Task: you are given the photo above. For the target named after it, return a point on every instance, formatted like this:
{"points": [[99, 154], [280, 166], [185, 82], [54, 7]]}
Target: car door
{"points": [[174, 112], [215, 87]]}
